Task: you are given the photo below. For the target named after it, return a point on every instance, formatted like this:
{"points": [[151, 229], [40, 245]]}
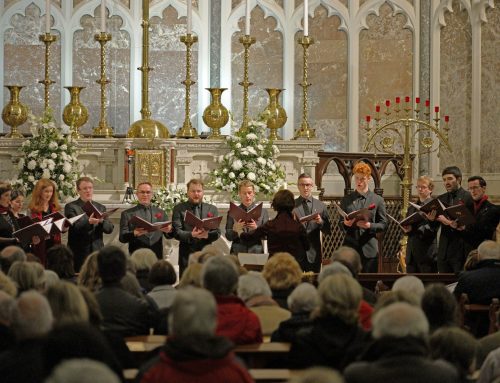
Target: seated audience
{"points": [[411, 284], [334, 338], [143, 259], [303, 300], [9, 255], [390, 297], [7, 338], [60, 260], [89, 274], [283, 274], [234, 320], [194, 353], [50, 278], [67, 304], [318, 375], [7, 285], [27, 276], [457, 347], [489, 343], [31, 321], [440, 307], [191, 276], [255, 292], [122, 312], [162, 278], [82, 371], [490, 371], [399, 352]]}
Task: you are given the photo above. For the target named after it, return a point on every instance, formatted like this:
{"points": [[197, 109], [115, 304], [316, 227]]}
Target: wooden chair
{"points": [[260, 355], [466, 307]]}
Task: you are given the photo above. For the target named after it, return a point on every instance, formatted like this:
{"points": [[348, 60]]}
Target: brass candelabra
{"points": [[397, 131], [47, 39], [187, 130], [305, 131], [103, 130], [247, 42]]}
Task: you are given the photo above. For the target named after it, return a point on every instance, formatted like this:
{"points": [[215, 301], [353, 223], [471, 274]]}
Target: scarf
{"points": [[478, 204]]}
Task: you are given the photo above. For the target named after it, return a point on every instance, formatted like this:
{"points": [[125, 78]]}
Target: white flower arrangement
{"points": [[251, 156], [167, 198], [49, 154]]}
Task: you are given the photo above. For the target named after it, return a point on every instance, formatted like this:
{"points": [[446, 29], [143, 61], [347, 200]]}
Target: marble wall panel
{"points": [[235, 3], [168, 58], [265, 64], [490, 85], [456, 69], [385, 64], [328, 75]]}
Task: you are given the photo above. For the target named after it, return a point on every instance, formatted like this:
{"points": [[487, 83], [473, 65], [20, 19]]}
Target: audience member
{"points": [[334, 338], [86, 234], [399, 352], [411, 284], [7, 337], [283, 274], [318, 375], [7, 285], [457, 347], [440, 307], [162, 278], [390, 297], [82, 371], [60, 260], [490, 371], [191, 276], [143, 259], [194, 353], [51, 278], [305, 205], [255, 292], [27, 276], [191, 238], [283, 233], [67, 304], [234, 320], [489, 343], [122, 312], [9, 255], [89, 274], [303, 300]]}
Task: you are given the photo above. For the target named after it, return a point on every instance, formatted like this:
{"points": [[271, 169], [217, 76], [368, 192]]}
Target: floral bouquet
{"points": [[252, 157], [49, 154], [167, 198]]}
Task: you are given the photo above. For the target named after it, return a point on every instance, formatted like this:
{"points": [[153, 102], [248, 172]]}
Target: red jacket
{"points": [[236, 322]]}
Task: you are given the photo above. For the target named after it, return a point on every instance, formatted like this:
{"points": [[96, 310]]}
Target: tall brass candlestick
{"points": [[187, 130], [247, 42], [305, 131], [103, 130], [47, 39]]}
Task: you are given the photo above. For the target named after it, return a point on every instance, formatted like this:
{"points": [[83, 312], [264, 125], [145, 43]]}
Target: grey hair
{"points": [[400, 320], [27, 275], [489, 250], [193, 312], [303, 299], [318, 375], [411, 284], [350, 256], [251, 285], [340, 296], [32, 316], [82, 371], [333, 268], [13, 253], [219, 275], [7, 304], [51, 278], [143, 258]]}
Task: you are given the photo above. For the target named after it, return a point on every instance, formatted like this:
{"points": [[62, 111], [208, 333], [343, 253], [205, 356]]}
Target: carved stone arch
{"points": [[89, 8], [404, 8], [336, 8]]}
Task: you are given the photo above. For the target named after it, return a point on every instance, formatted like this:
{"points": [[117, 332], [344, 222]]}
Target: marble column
{"points": [[215, 43], [424, 166]]}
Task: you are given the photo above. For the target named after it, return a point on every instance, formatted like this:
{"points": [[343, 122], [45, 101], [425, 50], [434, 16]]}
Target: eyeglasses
{"points": [[475, 188], [306, 185]]}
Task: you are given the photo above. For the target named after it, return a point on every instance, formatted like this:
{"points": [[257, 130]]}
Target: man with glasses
{"points": [[306, 205], [136, 237], [487, 215]]}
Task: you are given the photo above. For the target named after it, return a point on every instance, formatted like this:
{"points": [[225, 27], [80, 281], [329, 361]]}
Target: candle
{"points": [[446, 118], [247, 18], [417, 100], [47, 16], [427, 103], [368, 118], [103, 16], [306, 18], [388, 103], [407, 99], [436, 109], [377, 108], [189, 17]]}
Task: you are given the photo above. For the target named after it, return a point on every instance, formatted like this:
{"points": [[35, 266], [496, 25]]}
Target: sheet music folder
{"points": [[239, 214], [210, 223]]}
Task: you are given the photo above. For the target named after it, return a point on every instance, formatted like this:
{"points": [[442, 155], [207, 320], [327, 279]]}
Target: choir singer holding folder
{"points": [[138, 237], [246, 192], [190, 237], [86, 235]]}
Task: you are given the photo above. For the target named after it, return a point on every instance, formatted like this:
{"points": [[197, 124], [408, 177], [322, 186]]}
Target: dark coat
{"points": [[239, 245], [313, 229], [364, 241], [153, 240], [284, 234], [487, 218], [329, 342], [288, 329], [402, 360], [84, 238], [452, 249], [8, 224], [182, 231]]}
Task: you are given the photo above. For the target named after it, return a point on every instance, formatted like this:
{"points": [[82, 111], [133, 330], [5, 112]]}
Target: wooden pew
{"points": [[269, 375], [144, 347], [466, 308], [260, 355]]}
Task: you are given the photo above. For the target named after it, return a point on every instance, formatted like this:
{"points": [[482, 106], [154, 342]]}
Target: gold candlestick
{"points": [[47, 39], [305, 132], [247, 42], [187, 130], [103, 130]]}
